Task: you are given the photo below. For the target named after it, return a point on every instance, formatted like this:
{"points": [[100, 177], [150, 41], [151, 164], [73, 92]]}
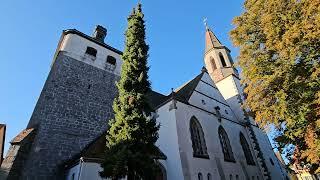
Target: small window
{"points": [[231, 178], [253, 178], [203, 102], [200, 176], [223, 62], [111, 60], [91, 51], [271, 161], [217, 110], [209, 176], [226, 111], [73, 176], [237, 177], [110, 63]]}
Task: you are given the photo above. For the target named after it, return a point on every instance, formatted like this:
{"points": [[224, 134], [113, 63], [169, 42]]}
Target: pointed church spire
{"points": [[211, 39], [217, 57]]}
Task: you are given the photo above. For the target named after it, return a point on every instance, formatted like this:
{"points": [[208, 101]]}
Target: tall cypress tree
{"points": [[132, 134]]}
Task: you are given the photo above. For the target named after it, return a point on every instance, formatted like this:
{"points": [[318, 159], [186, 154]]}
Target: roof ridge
{"points": [[103, 44], [184, 92]]}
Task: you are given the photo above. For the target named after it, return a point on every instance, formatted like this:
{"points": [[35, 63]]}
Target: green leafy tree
{"points": [[279, 43], [132, 134]]}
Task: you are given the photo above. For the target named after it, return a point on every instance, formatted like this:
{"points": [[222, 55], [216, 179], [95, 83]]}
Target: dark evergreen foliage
{"points": [[131, 138]]}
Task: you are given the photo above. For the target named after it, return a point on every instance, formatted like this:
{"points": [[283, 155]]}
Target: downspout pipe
{"points": [[80, 169]]}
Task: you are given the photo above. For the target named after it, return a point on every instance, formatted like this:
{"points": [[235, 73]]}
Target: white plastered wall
{"points": [[85, 171], [207, 97], [90, 170], [168, 141], [276, 171], [75, 46], [230, 89], [73, 172], [210, 125], [205, 114]]}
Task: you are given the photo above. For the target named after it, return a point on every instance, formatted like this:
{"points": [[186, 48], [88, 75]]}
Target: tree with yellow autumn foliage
{"points": [[279, 43]]}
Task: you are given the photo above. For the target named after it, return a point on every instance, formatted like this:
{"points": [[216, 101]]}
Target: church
{"points": [[204, 133]]}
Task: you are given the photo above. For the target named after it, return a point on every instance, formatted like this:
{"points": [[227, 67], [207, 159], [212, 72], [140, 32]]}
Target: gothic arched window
{"points": [[223, 62], [246, 150], [231, 178], [213, 63], [225, 145], [197, 138], [200, 176], [209, 176]]}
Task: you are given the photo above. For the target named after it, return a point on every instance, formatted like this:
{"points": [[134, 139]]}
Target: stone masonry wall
{"points": [[73, 109]]}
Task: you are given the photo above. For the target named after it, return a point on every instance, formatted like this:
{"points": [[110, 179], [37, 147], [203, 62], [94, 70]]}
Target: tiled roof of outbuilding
{"points": [[12, 164], [96, 150], [21, 136]]}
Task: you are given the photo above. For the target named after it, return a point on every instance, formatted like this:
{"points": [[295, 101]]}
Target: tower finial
{"points": [[205, 21]]}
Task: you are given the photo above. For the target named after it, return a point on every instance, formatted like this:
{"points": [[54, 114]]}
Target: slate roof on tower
{"points": [[211, 40]]}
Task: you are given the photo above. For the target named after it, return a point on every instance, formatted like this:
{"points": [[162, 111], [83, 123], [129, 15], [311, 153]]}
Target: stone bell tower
{"points": [[73, 108]]}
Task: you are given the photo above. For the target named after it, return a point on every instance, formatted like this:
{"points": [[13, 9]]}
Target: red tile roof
{"points": [[21, 136]]}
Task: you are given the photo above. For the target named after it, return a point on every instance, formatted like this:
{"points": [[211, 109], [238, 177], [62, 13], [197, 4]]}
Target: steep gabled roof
{"points": [[94, 150], [184, 92], [211, 40], [16, 156], [155, 99], [74, 31], [22, 136]]}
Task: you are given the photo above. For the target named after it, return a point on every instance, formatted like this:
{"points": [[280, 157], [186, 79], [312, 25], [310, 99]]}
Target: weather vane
{"points": [[205, 21]]}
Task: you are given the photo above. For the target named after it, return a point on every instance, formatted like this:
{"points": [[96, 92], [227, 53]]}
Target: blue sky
{"points": [[30, 31]]}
